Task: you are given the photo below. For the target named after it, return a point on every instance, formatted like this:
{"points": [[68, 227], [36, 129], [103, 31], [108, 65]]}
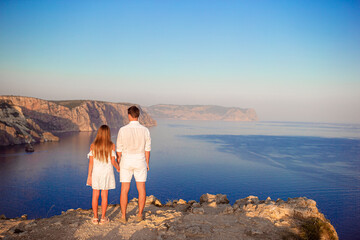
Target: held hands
{"points": [[118, 169]]}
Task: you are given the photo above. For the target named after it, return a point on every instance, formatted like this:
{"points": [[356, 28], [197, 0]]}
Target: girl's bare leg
{"points": [[95, 202], [104, 202]]}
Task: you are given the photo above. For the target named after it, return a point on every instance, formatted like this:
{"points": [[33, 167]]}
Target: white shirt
{"points": [[133, 140]]}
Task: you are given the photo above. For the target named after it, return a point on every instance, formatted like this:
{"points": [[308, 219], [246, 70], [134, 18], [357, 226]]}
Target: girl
{"points": [[101, 173]]}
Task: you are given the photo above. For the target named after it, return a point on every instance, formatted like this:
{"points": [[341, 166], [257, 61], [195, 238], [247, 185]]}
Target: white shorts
{"points": [[130, 167]]}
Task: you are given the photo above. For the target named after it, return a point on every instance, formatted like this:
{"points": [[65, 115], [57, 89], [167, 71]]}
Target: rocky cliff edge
{"points": [[210, 218]]}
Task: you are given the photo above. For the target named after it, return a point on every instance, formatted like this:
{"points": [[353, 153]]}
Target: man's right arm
{"points": [[147, 148], [118, 156]]}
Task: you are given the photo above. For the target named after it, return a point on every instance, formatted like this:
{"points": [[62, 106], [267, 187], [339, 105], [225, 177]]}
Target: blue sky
{"points": [[290, 60]]}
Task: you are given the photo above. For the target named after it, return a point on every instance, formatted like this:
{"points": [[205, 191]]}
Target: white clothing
{"points": [[132, 141], [103, 173], [138, 168]]}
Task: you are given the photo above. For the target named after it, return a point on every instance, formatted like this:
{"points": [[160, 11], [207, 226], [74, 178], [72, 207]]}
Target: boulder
{"points": [[152, 200], [211, 199]]}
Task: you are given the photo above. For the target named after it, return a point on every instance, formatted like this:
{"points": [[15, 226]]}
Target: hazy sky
{"points": [[290, 60]]}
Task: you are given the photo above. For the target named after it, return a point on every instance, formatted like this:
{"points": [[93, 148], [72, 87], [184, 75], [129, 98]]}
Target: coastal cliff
{"points": [[27, 119], [210, 218], [201, 112]]}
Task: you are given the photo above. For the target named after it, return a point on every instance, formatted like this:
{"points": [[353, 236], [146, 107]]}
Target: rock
{"points": [[157, 203], [191, 202], [212, 204], [221, 199], [198, 211], [134, 200], [24, 217], [297, 218], [228, 210], [212, 200], [196, 205], [181, 201], [207, 198], [247, 200], [29, 148], [152, 200], [2, 216], [182, 207]]}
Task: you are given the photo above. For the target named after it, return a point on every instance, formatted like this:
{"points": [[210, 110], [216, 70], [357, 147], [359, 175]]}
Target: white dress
{"points": [[103, 173]]}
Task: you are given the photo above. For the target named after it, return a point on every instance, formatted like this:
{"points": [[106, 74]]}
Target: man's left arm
{"points": [[119, 147]]}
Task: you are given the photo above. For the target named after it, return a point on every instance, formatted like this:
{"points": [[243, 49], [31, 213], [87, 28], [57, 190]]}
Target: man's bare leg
{"points": [[125, 187], [142, 196]]}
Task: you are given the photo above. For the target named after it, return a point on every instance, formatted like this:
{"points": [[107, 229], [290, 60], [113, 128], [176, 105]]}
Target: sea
{"points": [[320, 161]]}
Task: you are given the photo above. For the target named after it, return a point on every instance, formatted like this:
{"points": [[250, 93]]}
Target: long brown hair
{"points": [[102, 145]]}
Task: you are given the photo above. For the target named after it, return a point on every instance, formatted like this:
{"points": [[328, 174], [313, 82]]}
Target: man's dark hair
{"points": [[134, 111]]}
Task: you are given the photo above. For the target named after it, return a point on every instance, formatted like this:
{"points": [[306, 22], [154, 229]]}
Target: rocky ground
{"points": [[210, 218]]}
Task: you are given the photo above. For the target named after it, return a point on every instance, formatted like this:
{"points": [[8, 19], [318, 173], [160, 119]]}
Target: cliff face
{"points": [[201, 112], [210, 218], [61, 116], [15, 128]]}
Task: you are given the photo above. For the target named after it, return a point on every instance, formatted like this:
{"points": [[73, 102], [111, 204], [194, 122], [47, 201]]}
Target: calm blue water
{"points": [[189, 158]]}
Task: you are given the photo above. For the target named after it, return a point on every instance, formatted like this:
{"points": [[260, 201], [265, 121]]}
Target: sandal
{"points": [[104, 221], [95, 221]]}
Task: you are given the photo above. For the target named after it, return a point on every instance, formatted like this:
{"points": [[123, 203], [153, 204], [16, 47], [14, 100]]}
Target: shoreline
{"points": [[212, 217]]}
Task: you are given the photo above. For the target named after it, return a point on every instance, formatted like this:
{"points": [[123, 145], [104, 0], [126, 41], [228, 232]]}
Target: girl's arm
{"points": [[115, 164], [91, 164]]}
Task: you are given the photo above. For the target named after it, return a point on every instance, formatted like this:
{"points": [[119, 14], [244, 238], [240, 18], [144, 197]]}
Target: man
{"points": [[133, 148]]}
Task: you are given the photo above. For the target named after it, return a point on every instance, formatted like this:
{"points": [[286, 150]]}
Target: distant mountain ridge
{"points": [[24, 119], [201, 112]]}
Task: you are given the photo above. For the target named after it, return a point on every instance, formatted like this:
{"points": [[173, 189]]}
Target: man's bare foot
{"points": [[139, 218], [123, 220]]}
